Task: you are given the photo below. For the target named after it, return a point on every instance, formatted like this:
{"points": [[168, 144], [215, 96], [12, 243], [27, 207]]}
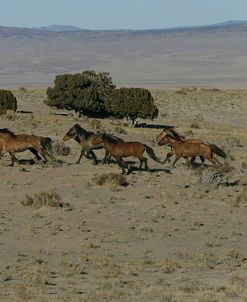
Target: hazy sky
{"points": [[113, 14]]}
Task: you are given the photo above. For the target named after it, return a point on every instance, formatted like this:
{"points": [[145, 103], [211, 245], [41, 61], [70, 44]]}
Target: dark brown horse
{"points": [[12, 143], [125, 149], [88, 141], [181, 148]]}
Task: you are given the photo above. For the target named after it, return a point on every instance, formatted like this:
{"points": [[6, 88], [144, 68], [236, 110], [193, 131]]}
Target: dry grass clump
{"points": [[217, 177], [45, 199], [96, 124], [110, 178], [120, 130], [60, 149]]}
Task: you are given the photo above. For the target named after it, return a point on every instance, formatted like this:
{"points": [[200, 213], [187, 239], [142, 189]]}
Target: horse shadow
{"points": [[30, 162], [154, 170]]}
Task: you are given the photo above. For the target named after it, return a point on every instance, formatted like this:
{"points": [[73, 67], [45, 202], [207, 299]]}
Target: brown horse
{"points": [[125, 149], [176, 136], [12, 143], [182, 148], [88, 141]]}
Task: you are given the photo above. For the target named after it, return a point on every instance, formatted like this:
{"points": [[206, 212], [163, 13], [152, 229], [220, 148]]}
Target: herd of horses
{"points": [[114, 146]]}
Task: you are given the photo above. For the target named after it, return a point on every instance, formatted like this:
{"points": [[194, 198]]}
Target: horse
{"points": [[125, 149], [12, 143], [177, 136], [185, 149], [88, 141]]}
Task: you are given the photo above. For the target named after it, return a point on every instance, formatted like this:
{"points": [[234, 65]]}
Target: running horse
{"points": [[125, 149], [12, 143], [184, 149], [88, 141], [178, 137]]}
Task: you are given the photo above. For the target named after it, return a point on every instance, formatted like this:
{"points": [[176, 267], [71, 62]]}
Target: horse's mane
{"points": [[109, 138], [173, 133], [6, 130], [80, 130]]}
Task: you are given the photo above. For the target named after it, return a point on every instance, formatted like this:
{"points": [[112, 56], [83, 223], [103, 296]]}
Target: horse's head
{"points": [[161, 137], [72, 133]]}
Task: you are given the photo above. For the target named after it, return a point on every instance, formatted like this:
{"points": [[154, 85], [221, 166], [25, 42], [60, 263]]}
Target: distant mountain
{"points": [[54, 30], [212, 55], [232, 22], [60, 28]]}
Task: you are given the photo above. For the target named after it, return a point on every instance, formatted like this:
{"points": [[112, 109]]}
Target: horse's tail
{"points": [[215, 149], [46, 144], [151, 154]]}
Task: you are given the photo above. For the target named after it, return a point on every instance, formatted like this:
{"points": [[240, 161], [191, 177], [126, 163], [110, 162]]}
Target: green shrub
{"points": [[131, 103], [84, 92], [7, 101], [93, 94]]}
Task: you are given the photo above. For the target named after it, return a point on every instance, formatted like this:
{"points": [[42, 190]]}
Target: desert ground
{"points": [[170, 234]]}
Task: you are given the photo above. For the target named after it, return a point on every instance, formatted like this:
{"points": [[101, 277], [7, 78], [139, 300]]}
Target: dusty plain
{"points": [[172, 234]]}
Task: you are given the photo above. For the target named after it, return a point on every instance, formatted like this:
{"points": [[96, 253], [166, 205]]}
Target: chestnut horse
{"points": [[12, 143], [182, 148], [176, 136], [125, 149], [88, 141]]}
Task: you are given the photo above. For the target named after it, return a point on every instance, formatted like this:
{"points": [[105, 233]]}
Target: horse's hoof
{"points": [[95, 163]]}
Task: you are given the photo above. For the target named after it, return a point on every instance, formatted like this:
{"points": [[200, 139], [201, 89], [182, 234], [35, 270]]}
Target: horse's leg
{"points": [[108, 160], [188, 162], [202, 160], [95, 160], [175, 160], [81, 154], [13, 158], [107, 157], [168, 156], [35, 153], [145, 164], [87, 155], [141, 162], [43, 153], [193, 158], [145, 161], [121, 165]]}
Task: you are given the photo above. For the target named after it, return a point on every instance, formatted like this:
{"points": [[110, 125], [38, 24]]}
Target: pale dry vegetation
{"points": [[169, 235]]}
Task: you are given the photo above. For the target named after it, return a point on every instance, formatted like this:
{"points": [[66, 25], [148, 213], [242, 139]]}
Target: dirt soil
{"points": [[171, 234]]}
